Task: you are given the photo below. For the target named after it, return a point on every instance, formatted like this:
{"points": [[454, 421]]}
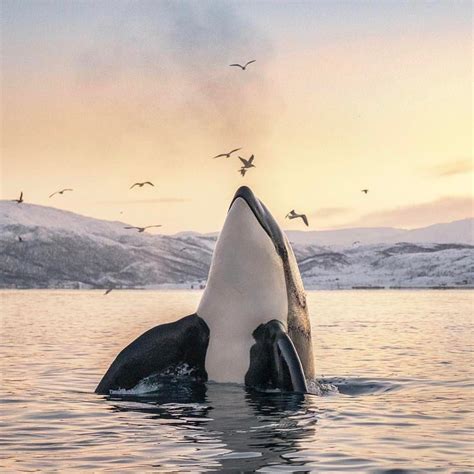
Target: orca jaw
{"points": [[247, 257], [265, 219]]}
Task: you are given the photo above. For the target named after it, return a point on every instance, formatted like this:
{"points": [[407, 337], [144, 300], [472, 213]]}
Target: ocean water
{"points": [[396, 368]]}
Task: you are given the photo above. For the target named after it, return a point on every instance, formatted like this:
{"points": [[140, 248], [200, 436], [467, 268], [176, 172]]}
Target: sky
{"points": [[343, 95]]}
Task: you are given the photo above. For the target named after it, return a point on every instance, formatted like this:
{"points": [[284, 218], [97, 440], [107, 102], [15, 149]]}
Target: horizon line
{"points": [[330, 229]]}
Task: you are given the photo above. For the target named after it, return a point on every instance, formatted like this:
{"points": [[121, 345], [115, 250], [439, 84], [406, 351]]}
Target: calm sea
{"points": [[396, 367]]}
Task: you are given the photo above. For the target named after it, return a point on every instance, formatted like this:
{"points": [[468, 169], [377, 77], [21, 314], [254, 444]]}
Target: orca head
{"points": [[246, 268], [253, 279], [264, 218], [294, 285]]}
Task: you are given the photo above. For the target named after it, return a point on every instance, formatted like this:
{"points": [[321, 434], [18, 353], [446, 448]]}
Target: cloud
{"points": [[328, 212], [174, 57], [452, 168], [445, 209]]}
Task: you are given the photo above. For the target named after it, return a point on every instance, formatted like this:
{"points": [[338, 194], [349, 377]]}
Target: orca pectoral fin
{"points": [[290, 366], [159, 349], [274, 362]]}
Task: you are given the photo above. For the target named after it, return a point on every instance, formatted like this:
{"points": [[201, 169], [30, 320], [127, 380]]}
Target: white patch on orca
{"points": [[246, 287]]}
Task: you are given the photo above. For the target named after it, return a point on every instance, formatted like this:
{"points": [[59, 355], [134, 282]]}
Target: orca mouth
{"points": [[264, 218]]}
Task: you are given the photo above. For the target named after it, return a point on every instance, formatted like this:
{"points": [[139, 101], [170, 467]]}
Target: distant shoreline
{"points": [[181, 288]]}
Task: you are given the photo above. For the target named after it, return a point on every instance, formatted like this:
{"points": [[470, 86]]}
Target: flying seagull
{"points": [[356, 242], [60, 192], [227, 155], [142, 229], [293, 215], [20, 199], [364, 191], [108, 291], [245, 66], [243, 170], [142, 184], [247, 163]]}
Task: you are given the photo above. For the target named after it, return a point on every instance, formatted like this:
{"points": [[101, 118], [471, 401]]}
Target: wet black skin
{"points": [[160, 349], [274, 362]]}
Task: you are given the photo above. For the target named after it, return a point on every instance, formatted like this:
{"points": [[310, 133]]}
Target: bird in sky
{"points": [[245, 66], [247, 163], [356, 242], [365, 191], [142, 229], [142, 184], [293, 215], [243, 170], [20, 199], [227, 155], [60, 192], [20, 239], [108, 291]]}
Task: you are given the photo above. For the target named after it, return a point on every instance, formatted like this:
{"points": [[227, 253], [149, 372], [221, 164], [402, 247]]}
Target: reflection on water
{"points": [[395, 367], [232, 425]]}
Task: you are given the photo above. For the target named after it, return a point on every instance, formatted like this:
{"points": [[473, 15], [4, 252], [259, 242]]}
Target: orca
{"points": [[251, 325]]}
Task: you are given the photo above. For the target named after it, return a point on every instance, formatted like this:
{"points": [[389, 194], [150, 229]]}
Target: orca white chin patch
{"points": [[246, 287]]}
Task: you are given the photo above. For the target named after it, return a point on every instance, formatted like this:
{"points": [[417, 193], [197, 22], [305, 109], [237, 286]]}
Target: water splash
{"points": [[356, 386], [172, 378]]}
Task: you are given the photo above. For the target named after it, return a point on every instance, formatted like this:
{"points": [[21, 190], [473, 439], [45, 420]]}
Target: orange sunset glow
{"points": [[97, 96]]}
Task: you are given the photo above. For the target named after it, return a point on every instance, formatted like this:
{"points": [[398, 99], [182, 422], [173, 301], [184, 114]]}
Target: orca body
{"points": [[252, 323]]}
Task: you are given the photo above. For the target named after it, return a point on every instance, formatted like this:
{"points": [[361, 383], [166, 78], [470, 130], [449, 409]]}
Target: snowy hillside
{"points": [[396, 265], [63, 249], [453, 232]]}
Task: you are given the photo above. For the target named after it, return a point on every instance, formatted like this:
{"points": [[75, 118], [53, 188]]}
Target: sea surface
{"points": [[396, 368]]}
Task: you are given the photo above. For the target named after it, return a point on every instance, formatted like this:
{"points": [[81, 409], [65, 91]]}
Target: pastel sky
{"points": [[343, 96]]}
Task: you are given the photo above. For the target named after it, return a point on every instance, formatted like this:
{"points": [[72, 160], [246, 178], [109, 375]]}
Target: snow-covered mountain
{"points": [[461, 232], [63, 249]]}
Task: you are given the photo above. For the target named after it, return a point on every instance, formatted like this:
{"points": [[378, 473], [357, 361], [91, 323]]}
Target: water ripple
{"points": [[400, 398]]}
